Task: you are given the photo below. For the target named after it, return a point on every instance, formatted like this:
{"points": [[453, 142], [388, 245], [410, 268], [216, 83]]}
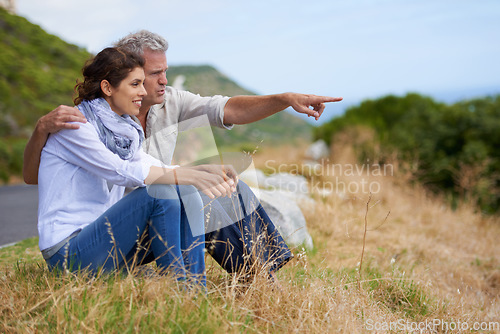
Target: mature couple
{"points": [[83, 158]]}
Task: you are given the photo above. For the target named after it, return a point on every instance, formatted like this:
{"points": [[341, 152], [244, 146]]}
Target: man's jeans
{"points": [[240, 235], [147, 224]]}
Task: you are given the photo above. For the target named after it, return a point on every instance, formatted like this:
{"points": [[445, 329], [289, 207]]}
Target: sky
{"points": [[358, 49]]}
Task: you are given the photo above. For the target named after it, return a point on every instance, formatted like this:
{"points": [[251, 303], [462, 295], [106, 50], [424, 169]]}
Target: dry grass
{"points": [[424, 262]]}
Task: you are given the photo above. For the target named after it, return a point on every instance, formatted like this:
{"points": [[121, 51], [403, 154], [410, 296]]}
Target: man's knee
{"points": [[190, 194], [250, 200], [162, 191]]}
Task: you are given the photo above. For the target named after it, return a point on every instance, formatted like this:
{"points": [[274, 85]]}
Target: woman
{"points": [[83, 221]]}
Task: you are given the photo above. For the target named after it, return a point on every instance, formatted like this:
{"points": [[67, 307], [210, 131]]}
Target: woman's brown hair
{"points": [[111, 64]]}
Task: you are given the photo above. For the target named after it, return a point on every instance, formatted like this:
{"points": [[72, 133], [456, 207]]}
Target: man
{"points": [[252, 242]]}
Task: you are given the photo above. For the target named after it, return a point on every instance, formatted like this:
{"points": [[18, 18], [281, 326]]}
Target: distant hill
{"points": [[204, 80], [38, 72]]}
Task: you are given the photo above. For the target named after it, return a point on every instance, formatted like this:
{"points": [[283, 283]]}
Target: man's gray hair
{"points": [[137, 42]]}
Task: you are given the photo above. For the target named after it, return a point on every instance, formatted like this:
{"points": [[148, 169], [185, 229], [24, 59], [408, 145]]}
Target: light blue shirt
{"points": [[79, 179]]}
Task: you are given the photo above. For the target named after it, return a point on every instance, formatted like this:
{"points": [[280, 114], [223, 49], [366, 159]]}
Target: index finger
{"points": [[325, 99]]}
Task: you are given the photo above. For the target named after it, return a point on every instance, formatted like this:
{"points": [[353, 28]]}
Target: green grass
{"points": [[25, 251], [395, 290]]}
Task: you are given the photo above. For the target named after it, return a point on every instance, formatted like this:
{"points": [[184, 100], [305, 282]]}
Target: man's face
{"points": [[156, 79]]}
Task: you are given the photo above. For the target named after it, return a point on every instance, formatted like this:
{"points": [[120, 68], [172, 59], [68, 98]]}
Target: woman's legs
{"points": [[111, 240], [192, 232]]}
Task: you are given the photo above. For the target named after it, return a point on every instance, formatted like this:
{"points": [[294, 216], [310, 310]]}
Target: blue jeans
{"points": [[144, 225]]}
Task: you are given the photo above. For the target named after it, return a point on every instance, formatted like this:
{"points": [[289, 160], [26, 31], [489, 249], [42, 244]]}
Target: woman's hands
{"points": [[213, 180]]}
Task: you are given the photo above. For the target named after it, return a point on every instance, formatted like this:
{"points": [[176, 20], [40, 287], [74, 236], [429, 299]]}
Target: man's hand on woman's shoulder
{"points": [[60, 118]]}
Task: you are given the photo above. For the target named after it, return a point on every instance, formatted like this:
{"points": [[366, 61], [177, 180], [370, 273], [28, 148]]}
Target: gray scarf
{"points": [[120, 134]]}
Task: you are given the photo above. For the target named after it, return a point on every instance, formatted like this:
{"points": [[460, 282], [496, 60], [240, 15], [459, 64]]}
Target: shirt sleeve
{"points": [[193, 105], [147, 161], [83, 148]]}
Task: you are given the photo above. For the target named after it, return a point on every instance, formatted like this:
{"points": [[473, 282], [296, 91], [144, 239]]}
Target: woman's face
{"points": [[127, 97]]}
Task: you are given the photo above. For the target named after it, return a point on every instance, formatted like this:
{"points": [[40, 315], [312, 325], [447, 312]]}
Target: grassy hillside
{"points": [[423, 265], [38, 72]]}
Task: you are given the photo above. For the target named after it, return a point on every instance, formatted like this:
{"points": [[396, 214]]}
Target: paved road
{"points": [[18, 213]]}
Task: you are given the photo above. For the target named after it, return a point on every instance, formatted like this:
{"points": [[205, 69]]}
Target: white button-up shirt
{"points": [[167, 119], [79, 179]]}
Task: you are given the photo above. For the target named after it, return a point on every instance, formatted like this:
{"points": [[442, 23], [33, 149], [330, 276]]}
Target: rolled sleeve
{"points": [[194, 105], [147, 161], [227, 126]]}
